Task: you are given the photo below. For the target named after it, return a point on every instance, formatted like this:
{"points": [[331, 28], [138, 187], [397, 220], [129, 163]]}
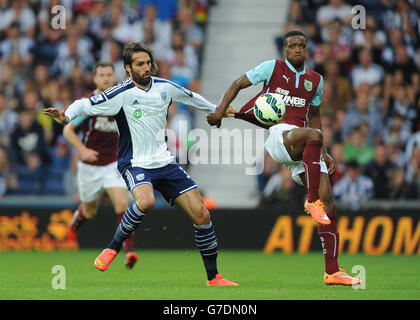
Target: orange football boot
{"points": [[317, 212], [104, 259], [220, 281], [340, 278], [130, 259]]}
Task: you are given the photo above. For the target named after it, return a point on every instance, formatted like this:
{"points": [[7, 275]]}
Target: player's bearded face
{"points": [[141, 78], [140, 69]]}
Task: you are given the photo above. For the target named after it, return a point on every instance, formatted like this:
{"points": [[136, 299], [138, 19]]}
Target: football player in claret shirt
{"points": [[97, 167], [296, 141], [140, 105]]}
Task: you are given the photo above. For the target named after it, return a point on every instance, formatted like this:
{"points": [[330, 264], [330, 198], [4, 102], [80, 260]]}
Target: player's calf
{"points": [[206, 243], [312, 162], [130, 221], [78, 220]]}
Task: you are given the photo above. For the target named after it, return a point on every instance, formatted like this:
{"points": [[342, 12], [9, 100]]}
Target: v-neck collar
{"points": [[298, 74]]}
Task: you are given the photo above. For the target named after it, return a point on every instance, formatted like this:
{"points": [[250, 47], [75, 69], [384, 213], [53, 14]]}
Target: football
{"points": [[269, 109]]}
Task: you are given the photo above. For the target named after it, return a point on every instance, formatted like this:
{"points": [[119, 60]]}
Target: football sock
{"points": [[78, 218], [329, 242], [131, 219], [128, 244], [311, 159], [206, 242]]}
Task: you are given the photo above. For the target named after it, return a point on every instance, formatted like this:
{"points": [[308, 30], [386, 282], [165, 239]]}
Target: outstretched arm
{"points": [[77, 108], [183, 95], [224, 109], [57, 115], [105, 104]]}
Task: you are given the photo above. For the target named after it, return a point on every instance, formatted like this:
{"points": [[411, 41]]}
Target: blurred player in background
{"points": [[97, 168], [297, 142], [140, 107]]}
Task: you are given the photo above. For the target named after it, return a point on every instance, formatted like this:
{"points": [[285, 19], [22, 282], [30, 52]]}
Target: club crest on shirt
{"points": [[163, 95], [308, 85]]}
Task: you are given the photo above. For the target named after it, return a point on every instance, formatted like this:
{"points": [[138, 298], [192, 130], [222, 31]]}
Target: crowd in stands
{"points": [[42, 65], [371, 100], [370, 111]]}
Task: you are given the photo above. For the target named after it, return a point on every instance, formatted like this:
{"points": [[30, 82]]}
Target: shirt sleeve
{"points": [[262, 72], [78, 121], [317, 98], [107, 103], [193, 99]]}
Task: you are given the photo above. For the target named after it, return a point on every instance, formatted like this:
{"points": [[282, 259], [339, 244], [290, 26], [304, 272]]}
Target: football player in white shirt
{"points": [[139, 105]]}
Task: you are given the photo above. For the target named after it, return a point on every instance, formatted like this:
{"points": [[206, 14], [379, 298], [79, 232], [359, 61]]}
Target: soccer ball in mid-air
{"points": [[269, 108]]}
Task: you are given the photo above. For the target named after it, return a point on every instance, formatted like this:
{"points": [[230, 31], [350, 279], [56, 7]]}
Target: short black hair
{"points": [[293, 33], [353, 164]]}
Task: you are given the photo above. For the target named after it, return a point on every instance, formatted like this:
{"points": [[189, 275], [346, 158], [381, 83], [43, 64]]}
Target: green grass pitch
{"points": [[179, 275]]}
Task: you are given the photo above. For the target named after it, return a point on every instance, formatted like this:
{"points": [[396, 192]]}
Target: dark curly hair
{"points": [[133, 47]]}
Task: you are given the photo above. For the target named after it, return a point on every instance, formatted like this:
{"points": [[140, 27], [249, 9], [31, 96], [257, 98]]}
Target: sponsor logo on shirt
{"points": [[138, 113], [289, 100]]}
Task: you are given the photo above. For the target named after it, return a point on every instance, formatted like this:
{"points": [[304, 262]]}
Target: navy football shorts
{"points": [[171, 180]]}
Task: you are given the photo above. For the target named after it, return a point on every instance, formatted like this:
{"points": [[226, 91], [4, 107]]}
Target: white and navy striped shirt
{"points": [[141, 118], [354, 191]]}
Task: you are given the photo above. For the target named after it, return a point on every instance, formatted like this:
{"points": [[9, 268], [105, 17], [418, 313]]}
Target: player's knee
{"points": [[146, 204], [315, 134], [89, 213], [120, 206], [201, 215]]}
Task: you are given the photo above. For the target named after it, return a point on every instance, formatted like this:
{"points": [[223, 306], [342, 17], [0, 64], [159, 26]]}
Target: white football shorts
{"points": [[275, 147], [91, 180]]}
